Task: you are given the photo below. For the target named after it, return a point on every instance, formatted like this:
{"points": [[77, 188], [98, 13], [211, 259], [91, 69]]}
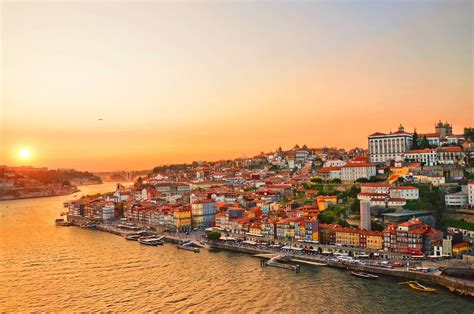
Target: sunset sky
{"points": [[196, 80]]}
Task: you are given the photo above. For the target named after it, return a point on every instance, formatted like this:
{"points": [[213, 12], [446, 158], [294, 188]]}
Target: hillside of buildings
{"points": [[27, 182], [415, 186]]}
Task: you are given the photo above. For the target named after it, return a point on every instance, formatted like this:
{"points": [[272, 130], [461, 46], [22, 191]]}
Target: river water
{"points": [[49, 268]]}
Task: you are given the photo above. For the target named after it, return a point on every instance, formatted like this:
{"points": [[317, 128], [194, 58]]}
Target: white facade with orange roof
{"points": [[406, 192], [470, 193], [354, 171], [426, 156], [383, 147]]}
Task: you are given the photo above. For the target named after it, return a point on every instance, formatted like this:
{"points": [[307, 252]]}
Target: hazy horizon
{"points": [[177, 82]]}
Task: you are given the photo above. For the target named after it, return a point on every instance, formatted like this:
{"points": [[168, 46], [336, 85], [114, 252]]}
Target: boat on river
{"points": [[62, 222], [132, 237], [188, 248], [152, 241], [88, 225], [364, 275], [419, 287]]}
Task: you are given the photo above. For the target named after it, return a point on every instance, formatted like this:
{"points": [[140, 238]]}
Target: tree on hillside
{"points": [[414, 144], [214, 235], [355, 206], [469, 134], [424, 143], [316, 180]]}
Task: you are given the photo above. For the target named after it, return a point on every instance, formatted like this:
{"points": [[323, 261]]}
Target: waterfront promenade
{"points": [[458, 285], [375, 265]]}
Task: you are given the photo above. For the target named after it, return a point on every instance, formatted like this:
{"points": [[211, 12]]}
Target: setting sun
{"points": [[24, 154]]}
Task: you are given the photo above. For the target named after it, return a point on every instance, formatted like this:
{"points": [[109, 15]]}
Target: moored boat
{"points": [[148, 242], [62, 222], [364, 275], [88, 225], [151, 240], [419, 287], [188, 248], [132, 237]]}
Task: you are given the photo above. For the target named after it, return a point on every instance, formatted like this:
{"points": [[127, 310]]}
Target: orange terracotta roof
{"points": [[419, 151], [452, 149], [358, 164]]}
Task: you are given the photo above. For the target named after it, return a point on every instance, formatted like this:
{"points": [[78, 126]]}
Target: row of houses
{"points": [[387, 195], [355, 169], [435, 156]]}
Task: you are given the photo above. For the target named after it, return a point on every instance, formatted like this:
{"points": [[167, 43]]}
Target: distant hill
{"points": [[28, 182], [64, 176]]}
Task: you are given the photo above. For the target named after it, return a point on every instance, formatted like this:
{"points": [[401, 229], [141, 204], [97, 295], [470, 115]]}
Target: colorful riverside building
{"points": [[337, 235], [203, 213], [371, 240], [297, 228], [411, 237], [182, 218]]}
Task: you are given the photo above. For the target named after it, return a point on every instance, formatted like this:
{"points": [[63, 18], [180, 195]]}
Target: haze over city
{"points": [[114, 85]]}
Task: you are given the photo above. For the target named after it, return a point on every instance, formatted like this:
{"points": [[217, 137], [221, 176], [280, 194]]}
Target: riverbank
{"points": [[460, 286], [37, 197]]}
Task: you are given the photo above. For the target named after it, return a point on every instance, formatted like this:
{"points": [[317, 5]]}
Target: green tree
{"points": [[469, 134], [412, 205], [214, 235], [336, 180], [424, 143], [414, 144], [316, 180], [373, 179], [355, 205], [362, 180]]}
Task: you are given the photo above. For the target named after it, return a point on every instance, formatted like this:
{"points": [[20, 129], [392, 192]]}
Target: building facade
{"points": [[383, 147]]}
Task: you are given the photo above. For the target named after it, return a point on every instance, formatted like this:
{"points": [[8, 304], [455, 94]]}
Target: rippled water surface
{"points": [[49, 268]]}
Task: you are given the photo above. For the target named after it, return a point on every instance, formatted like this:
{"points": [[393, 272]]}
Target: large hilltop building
{"points": [[383, 147], [444, 130]]}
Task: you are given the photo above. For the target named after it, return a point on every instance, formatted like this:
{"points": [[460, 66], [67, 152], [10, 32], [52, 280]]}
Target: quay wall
{"points": [[458, 285]]}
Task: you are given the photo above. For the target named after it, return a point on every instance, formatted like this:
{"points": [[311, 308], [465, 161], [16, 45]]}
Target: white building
{"points": [[334, 163], [470, 193], [379, 188], [450, 155], [108, 211], [354, 171], [383, 147], [427, 156], [365, 223], [456, 200], [384, 201], [435, 181], [406, 192], [434, 139]]}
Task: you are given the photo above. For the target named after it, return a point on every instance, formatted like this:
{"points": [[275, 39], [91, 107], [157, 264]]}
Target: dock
{"points": [[308, 262]]}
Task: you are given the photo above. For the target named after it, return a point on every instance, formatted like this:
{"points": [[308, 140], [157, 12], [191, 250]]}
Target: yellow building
{"points": [[324, 201], [255, 229], [347, 236], [374, 241], [460, 248], [182, 219], [397, 172]]}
